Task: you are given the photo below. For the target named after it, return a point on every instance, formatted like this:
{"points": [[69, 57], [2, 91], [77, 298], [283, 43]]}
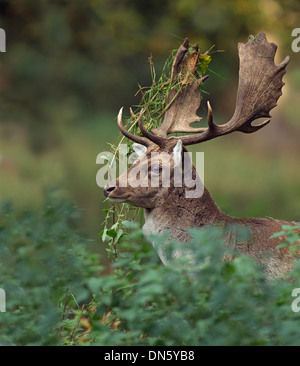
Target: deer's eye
{"points": [[156, 169]]}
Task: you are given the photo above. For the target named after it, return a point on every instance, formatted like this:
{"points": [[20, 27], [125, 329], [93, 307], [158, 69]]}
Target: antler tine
{"points": [[139, 139], [211, 125]]}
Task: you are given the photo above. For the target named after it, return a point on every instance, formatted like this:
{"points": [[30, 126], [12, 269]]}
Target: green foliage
{"points": [[57, 294], [292, 238], [212, 303], [42, 263]]}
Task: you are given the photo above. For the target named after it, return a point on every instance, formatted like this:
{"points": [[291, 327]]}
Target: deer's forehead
{"points": [[158, 156], [154, 157], [157, 150]]}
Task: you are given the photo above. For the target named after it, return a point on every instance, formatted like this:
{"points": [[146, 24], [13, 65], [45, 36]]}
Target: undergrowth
{"points": [[58, 294]]}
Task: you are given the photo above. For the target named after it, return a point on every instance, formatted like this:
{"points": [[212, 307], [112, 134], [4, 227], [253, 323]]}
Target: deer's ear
{"points": [[177, 153], [139, 149]]}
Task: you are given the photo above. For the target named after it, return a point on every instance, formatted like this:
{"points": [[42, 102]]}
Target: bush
{"points": [[44, 266], [214, 303], [58, 295]]}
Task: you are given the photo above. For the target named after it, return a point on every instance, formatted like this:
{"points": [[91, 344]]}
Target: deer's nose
{"points": [[108, 189]]}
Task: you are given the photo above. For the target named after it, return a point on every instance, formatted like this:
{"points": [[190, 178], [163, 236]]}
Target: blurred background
{"points": [[70, 65]]}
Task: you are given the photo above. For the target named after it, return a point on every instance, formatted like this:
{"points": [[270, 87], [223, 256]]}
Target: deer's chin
{"points": [[118, 200]]}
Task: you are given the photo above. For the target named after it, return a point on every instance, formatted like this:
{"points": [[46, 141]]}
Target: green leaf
{"points": [[111, 232], [120, 234]]}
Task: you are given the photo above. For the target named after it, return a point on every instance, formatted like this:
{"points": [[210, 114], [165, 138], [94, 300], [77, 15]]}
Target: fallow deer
{"points": [[168, 208]]}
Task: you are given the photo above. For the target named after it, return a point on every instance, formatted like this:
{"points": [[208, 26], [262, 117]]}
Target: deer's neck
{"points": [[177, 213]]}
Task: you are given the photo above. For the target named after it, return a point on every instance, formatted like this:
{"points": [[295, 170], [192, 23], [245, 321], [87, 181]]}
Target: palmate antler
{"points": [[260, 84]]}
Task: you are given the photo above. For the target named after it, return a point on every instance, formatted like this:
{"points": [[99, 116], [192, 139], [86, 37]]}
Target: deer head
{"points": [[260, 84]]}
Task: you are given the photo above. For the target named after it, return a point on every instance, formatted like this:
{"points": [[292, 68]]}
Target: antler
{"points": [[260, 84], [139, 139]]}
